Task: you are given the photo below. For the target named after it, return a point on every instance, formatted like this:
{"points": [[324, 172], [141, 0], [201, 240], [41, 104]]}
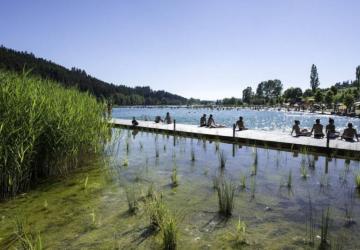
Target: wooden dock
{"points": [[271, 139]]}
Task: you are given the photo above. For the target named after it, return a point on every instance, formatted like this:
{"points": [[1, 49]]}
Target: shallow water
{"points": [[264, 120], [89, 210]]}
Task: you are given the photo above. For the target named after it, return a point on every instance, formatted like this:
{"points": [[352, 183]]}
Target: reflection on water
{"points": [[280, 196], [264, 120]]}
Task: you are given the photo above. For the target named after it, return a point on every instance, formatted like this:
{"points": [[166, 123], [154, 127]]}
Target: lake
{"points": [[281, 198], [254, 119]]}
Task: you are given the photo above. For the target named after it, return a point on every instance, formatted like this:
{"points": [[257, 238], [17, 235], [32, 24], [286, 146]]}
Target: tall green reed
{"points": [[45, 130]]}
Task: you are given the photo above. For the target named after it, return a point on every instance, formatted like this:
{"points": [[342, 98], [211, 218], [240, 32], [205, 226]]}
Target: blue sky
{"points": [[195, 48]]}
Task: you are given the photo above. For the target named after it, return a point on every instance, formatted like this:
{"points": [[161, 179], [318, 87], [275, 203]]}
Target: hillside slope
{"points": [[122, 95]]}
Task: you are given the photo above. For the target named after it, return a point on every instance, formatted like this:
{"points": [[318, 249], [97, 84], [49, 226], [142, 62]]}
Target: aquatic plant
{"points": [[289, 180], [252, 187], [44, 131], [222, 159], [255, 164], [192, 154], [127, 146], [125, 162], [132, 201], [169, 229], [216, 180], [174, 178], [240, 233], [349, 208], [226, 193], [141, 145], [151, 191], [243, 181], [310, 223], [156, 210], [27, 239], [357, 181], [164, 147], [325, 218], [86, 181], [157, 152], [303, 170]]}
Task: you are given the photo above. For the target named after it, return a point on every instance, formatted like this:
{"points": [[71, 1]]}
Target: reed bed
{"points": [[45, 130]]}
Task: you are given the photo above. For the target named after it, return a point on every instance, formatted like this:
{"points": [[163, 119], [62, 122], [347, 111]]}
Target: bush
{"points": [[44, 130]]}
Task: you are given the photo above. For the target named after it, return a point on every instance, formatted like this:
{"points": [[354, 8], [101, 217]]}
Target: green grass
{"points": [[45, 130]]}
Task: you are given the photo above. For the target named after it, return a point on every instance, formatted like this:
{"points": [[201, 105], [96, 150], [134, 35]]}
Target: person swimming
{"points": [[240, 124], [317, 129], [349, 133], [203, 121], [168, 119], [298, 131]]}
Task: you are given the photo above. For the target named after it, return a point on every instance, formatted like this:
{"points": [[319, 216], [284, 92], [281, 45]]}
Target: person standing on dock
{"points": [[317, 129], [350, 133], [168, 119], [240, 124], [203, 121]]}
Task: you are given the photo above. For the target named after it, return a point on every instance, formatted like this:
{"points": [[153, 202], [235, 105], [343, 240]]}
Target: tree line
{"points": [[270, 92], [119, 94]]}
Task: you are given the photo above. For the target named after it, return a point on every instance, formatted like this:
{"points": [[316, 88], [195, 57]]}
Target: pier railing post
{"points": [[234, 127], [174, 125]]}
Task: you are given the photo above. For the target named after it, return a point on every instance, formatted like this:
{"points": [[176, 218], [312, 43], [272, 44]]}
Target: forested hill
{"points": [[74, 77]]}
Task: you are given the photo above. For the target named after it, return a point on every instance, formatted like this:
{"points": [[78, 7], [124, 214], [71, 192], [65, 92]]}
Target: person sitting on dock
{"points": [[240, 124], [330, 129], [298, 131], [350, 133], [211, 123], [168, 119], [158, 119], [203, 121], [317, 129], [134, 122]]}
